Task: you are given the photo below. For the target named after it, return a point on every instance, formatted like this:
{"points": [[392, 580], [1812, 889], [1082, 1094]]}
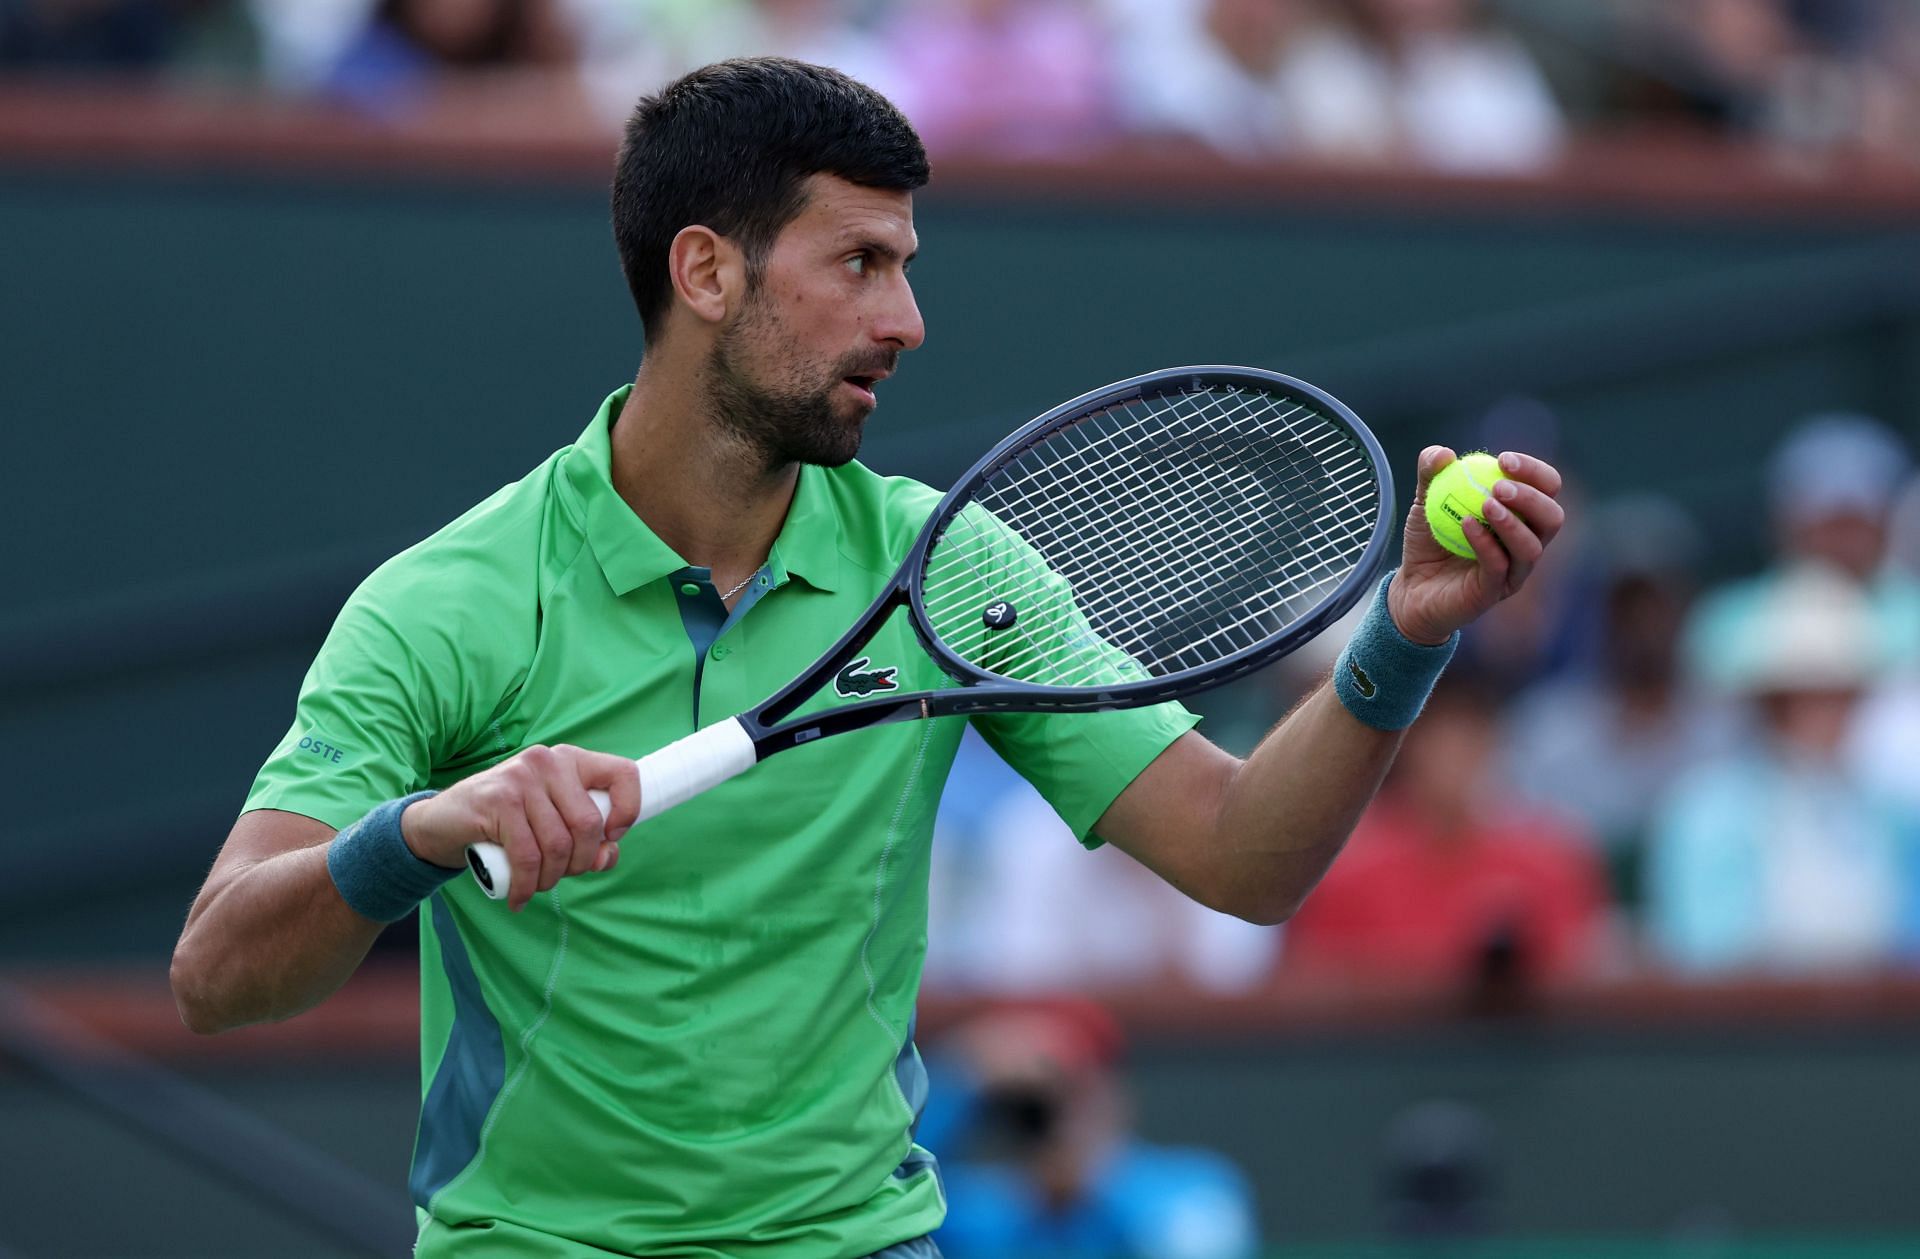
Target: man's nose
{"points": [[900, 321]]}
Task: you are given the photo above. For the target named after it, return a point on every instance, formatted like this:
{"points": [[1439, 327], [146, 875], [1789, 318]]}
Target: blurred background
{"points": [[1624, 962]]}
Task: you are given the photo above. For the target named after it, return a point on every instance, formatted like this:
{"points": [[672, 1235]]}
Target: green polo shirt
{"points": [[708, 1051]]}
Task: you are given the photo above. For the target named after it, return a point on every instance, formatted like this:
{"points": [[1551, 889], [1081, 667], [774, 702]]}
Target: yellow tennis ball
{"points": [[1457, 491]]}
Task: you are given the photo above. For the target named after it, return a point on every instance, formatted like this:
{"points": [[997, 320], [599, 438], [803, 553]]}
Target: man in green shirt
{"points": [[706, 1049]]}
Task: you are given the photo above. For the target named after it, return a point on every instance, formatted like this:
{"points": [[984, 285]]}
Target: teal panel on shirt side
{"points": [[471, 1071]]}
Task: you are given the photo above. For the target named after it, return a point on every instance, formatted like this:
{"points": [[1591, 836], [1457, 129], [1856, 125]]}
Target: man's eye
{"points": [[857, 264]]}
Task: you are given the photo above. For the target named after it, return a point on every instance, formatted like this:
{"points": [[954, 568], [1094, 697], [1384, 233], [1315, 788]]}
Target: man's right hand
{"points": [[535, 806]]}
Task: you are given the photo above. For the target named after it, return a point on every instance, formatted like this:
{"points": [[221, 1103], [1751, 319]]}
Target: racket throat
{"points": [[831, 721]]}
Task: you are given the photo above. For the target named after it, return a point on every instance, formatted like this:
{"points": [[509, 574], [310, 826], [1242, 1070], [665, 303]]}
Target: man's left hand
{"points": [[1437, 592]]}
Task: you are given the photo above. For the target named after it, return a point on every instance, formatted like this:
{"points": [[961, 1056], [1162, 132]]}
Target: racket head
{"points": [[1157, 537]]}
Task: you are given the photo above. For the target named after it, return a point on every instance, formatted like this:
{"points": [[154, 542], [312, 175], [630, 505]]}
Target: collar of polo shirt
{"points": [[632, 555]]}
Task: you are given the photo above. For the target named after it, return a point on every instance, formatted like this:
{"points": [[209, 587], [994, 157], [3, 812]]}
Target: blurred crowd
{"points": [[1622, 773], [1626, 771], [1473, 85]]}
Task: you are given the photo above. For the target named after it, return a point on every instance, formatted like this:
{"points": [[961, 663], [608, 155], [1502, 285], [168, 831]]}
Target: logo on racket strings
{"points": [[858, 679]]}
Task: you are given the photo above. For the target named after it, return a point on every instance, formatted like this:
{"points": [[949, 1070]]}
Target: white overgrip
{"points": [[674, 775], [686, 767]]}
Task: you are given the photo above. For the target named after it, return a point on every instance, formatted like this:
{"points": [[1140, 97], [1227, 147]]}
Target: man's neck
{"points": [[704, 493]]}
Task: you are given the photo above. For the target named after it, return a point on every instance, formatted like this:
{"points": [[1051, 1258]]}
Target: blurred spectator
{"points": [[1883, 748], [123, 35], [1018, 907], [300, 43], [1209, 69], [631, 47], [406, 45], [1832, 486], [1903, 531], [1811, 76], [1885, 744], [1032, 1126], [1364, 80], [1006, 77], [1606, 743], [1448, 877], [1446, 84], [1777, 857], [1440, 1172], [825, 33], [1431, 80]]}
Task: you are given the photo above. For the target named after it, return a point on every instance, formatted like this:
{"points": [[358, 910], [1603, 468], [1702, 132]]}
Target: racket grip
{"points": [[674, 775]]}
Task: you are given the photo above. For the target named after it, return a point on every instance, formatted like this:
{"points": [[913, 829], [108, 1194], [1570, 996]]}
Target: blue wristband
{"points": [[1383, 677], [377, 874]]}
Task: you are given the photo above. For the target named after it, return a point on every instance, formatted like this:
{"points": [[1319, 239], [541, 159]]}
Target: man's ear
{"points": [[708, 271]]}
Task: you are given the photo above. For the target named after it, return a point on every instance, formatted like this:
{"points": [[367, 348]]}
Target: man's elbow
{"points": [[192, 995], [1262, 907], [1267, 894], [1265, 904]]}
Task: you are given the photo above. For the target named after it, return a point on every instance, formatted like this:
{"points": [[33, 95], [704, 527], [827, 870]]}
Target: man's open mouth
{"points": [[863, 384]]}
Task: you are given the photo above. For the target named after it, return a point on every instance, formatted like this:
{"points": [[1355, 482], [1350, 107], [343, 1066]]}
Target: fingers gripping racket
{"points": [[1144, 542]]}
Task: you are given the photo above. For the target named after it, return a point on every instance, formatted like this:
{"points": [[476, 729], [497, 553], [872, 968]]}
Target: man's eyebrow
{"points": [[874, 245]]}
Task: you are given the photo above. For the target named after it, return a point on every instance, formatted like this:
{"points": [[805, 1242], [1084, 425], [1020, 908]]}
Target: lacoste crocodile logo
{"points": [[1360, 679], [857, 680]]}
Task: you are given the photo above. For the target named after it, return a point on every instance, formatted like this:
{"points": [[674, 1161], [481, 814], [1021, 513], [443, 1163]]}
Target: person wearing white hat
{"points": [[1832, 485], [1779, 858]]}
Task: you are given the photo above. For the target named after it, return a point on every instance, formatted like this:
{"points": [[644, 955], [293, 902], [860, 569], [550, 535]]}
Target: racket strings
{"points": [[1216, 627], [1152, 538], [1250, 537], [1156, 494], [1154, 490], [1158, 488]]}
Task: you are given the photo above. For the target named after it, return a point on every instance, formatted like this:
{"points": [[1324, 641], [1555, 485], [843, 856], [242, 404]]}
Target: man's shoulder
{"points": [[880, 515], [467, 576]]}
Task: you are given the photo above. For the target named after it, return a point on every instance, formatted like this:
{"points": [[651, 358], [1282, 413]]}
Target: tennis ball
{"points": [[1457, 491]]}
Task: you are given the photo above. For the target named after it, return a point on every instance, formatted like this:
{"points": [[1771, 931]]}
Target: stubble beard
{"points": [[794, 421]]}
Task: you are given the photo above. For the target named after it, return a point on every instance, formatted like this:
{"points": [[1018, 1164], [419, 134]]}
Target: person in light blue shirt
{"points": [[1778, 857], [1045, 1166]]}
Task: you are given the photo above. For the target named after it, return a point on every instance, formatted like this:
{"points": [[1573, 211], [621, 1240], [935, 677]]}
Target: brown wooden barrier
{"points": [[518, 129], [376, 1015]]}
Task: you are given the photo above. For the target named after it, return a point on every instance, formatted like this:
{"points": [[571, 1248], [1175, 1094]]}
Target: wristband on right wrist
{"points": [[376, 873], [1383, 677]]}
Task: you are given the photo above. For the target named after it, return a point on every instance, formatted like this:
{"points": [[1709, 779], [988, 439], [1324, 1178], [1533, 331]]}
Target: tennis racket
{"points": [[1143, 542]]}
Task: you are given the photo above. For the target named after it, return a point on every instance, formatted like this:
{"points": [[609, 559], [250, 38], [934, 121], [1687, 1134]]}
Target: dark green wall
{"points": [[228, 396], [1688, 1141], [222, 372]]}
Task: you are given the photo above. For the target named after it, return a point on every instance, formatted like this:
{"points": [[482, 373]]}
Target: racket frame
{"points": [[773, 727]]}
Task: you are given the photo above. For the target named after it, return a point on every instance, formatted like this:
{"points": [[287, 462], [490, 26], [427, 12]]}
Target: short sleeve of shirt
{"points": [[1080, 762], [368, 724]]}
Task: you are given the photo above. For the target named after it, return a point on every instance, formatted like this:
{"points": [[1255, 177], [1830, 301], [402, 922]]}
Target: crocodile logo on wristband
{"points": [[1361, 681]]}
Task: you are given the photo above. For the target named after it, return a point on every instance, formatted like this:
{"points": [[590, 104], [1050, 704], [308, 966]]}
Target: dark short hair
{"points": [[730, 147]]}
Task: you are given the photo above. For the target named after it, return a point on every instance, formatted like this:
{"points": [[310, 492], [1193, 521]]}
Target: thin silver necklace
{"points": [[737, 589]]}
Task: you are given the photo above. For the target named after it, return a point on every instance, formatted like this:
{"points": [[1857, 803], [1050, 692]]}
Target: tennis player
{"points": [[704, 1047]]}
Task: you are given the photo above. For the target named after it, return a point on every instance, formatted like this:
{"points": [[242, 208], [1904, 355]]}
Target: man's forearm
{"points": [[1288, 809], [272, 940]]}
